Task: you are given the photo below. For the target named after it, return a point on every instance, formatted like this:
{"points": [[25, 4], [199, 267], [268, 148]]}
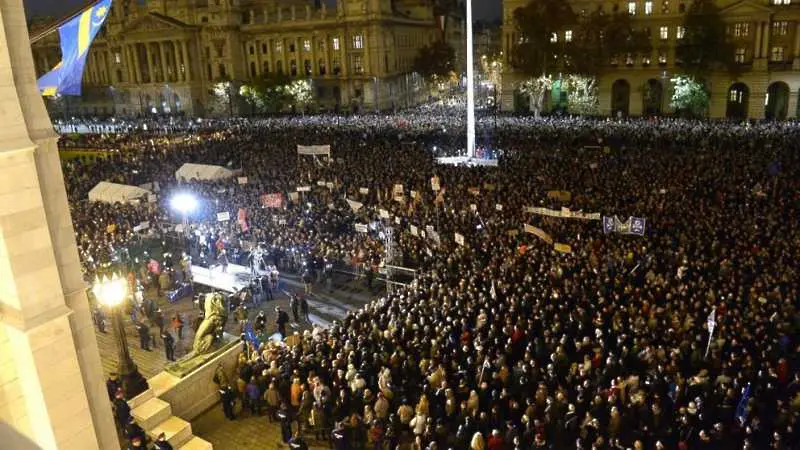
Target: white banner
{"points": [[314, 150], [364, 191], [223, 216], [459, 239], [414, 230], [498, 207], [564, 213], [398, 189], [142, 226], [361, 228], [303, 188], [354, 205], [435, 185], [321, 183], [384, 214], [152, 198], [242, 180]]}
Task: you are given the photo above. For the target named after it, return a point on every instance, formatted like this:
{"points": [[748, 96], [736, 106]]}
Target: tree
{"points": [[582, 95], [221, 98], [435, 61], [300, 94], [599, 38], [267, 93], [704, 46], [536, 89], [689, 96], [538, 22]]}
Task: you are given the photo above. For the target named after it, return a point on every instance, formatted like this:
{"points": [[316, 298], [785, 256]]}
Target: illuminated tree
{"points": [[582, 95], [689, 96], [536, 89]]}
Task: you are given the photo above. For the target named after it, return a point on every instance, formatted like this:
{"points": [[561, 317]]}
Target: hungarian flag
{"points": [[272, 200]]}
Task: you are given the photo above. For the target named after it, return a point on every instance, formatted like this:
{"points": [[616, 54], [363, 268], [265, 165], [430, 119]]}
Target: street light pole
{"points": [[112, 292]]}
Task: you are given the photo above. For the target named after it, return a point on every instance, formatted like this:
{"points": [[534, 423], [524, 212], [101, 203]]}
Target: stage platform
{"points": [[232, 280], [464, 161]]}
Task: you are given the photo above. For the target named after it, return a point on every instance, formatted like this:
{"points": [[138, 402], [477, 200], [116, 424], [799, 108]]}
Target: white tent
{"points": [[191, 171], [113, 192]]}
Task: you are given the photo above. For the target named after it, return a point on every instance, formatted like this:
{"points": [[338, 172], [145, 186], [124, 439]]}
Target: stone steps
{"points": [[195, 443], [151, 413], [177, 431]]}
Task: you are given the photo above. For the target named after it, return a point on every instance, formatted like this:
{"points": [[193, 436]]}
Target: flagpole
{"points": [[53, 27]]}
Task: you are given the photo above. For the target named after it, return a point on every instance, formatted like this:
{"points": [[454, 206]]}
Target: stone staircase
{"points": [[155, 417]]}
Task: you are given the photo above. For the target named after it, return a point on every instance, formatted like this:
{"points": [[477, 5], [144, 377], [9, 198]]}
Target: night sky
{"points": [[482, 9]]}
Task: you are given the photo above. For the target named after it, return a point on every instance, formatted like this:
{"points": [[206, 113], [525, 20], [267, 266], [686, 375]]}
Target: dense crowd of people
{"points": [[503, 342]]}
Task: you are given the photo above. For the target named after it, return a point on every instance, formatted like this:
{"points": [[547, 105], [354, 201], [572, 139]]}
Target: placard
{"points": [[414, 230], [361, 228], [321, 183], [498, 207], [303, 188], [363, 190], [241, 180], [435, 185], [384, 213], [223, 216], [141, 226], [459, 239]]}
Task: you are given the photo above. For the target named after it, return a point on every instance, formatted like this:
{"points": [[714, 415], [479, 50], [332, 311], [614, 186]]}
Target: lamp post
{"points": [[185, 204], [111, 292]]}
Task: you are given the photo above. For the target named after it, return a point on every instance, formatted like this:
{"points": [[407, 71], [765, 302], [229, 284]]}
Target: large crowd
{"points": [[503, 342]]}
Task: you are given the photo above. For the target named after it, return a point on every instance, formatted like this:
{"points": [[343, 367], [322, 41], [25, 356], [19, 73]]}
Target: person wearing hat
{"points": [[133, 430], [122, 410], [161, 443], [281, 321], [136, 443]]}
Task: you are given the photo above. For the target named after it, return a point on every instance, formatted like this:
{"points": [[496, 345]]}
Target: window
{"points": [[680, 32], [665, 7], [568, 36], [336, 43], [739, 56], [293, 68], [321, 65], [358, 64], [337, 66], [781, 2], [632, 8], [292, 48], [223, 73], [554, 37], [279, 67], [307, 67], [777, 54], [662, 57], [780, 28], [252, 50], [682, 8], [252, 69], [278, 46], [646, 60], [736, 95], [307, 45], [648, 8], [629, 59], [741, 29], [117, 58], [358, 41], [263, 49], [265, 67], [663, 33]]}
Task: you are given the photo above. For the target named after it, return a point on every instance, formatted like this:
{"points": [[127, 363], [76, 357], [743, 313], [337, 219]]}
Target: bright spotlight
{"points": [[184, 203]]}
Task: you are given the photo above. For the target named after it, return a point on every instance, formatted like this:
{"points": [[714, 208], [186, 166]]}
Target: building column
{"points": [[791, 112], [367, 49], [257, 45], [52, 391], [765, 40], [327, 52], [757, 42], [796, 51], [187, 72], [163, 55], [314, 67], [137, 67]]}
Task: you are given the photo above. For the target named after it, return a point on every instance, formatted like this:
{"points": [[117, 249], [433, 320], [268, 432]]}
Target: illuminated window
{"points": [[739, 56], [663, 33], [336, 43], [307, 45], [278, 46], [777, 54], [780, 28], [358, 64], [741, 29], [358, 41], [781, 2], [665, 7], [568, 36], [662, 57], [632, 8], [629, 59], [680, 32], [648, 8], [554, 37]]}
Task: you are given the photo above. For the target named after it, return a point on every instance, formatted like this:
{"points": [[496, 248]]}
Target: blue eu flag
{"points": [[76, 37]]}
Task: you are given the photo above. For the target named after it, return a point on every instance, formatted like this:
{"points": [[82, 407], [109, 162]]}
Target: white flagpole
{"points": [[470, 86]]}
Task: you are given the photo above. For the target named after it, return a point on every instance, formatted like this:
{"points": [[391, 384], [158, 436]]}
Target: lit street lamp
{"points": [[185, 204], [111, 292]]}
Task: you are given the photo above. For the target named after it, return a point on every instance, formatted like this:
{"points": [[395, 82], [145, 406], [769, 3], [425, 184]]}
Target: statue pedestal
{"points": [[181, 393]]}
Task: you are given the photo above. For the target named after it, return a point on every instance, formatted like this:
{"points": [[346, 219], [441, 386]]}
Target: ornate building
{"points": [[166, 55], [766, 38]]}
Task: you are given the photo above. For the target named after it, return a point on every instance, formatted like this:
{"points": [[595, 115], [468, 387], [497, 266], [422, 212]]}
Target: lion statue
{"points": [[216, 314]]}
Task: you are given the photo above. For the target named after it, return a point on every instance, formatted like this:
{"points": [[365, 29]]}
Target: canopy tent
{"points": [[191, 171], [113, 192]]}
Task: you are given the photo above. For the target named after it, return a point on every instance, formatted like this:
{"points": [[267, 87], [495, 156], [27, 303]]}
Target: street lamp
{"points": [[111, 292], [185, 204]]}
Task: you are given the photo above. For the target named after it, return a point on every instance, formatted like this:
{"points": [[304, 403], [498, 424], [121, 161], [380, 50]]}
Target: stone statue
{"points": [[210, 330]]}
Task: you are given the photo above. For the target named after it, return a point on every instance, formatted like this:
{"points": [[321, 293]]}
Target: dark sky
{"points": [[482, 9]]}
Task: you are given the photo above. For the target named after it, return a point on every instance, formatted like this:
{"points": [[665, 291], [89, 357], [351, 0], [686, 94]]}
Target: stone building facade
{"points": [[766, 38], [165, 56]]}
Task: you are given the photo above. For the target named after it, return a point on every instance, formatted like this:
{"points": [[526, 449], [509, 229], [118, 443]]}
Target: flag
{"points": [[608, 225], [741, 408], [76, 38], [242, 219], [637, 225], [354, 205]]}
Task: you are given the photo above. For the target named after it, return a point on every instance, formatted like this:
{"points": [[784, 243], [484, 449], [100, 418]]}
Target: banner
{"points": [[141, 226], [384, 213], [363, 190], [562, 196], [294, 197], [570, 214], [274, 200], [314, 150], [321, 183], [474, 191], [489, 186], [459, 239], [562, 248], [540, 233], [241, 180], [414, 230], [223, 216], [329, 185], [498, 207], [361, 228], [303, 188], [633, 225], [152, 198], [435, 184], [354, 205]]}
